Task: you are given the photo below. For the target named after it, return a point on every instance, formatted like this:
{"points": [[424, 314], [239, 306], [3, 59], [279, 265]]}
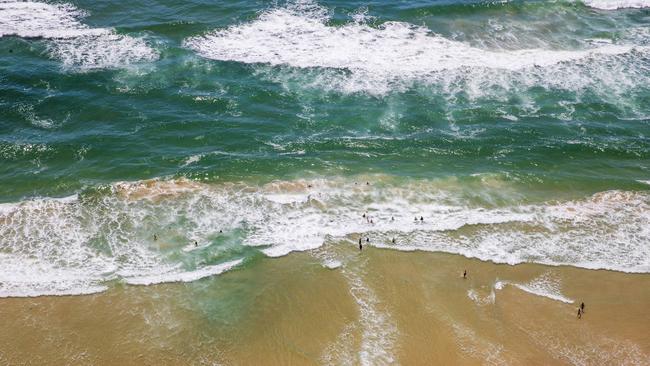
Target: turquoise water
{"points": [[518, 127]]}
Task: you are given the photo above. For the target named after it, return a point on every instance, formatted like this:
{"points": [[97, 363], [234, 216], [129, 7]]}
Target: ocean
{"points": [[155, 142]]}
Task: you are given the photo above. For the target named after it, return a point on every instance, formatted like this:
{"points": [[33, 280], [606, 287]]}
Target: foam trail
{"points": [[617, 4], [545, 285], [74, 43], [184, 276], [378, 331], [481, 300]]}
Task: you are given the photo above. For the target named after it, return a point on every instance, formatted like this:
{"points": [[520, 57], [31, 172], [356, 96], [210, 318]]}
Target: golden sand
{"points": [[379, 307]]}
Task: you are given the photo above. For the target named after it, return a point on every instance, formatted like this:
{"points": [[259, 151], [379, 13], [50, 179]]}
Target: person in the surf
{"points": [[360, 244], [421, 219], [196, 243]]}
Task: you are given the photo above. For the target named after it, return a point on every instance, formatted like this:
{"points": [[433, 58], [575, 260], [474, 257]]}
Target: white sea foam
{"points": [[356, 57], [184, 276], [378, 331], [301, 37], [80, 242], [481, 300], [617, 4], [74, 43], [332, 263], [545, 285]]}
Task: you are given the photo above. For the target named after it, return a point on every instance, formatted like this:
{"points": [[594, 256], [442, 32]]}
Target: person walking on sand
{"points": [[465, 274], [579, 313], [582, 307]]}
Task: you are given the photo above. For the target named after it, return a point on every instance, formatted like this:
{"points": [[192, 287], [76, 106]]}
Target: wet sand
{"points": [[380, 307]]}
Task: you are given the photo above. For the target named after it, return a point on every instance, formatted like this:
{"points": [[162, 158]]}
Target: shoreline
{"points": [[378, 307], [231, 266]]}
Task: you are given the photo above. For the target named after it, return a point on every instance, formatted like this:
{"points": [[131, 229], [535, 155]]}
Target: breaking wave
{"points": [[357, 57], [68, 39], [81, 243]]}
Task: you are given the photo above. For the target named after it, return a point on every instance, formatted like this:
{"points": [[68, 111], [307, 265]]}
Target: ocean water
{"points": [[165, 141]]}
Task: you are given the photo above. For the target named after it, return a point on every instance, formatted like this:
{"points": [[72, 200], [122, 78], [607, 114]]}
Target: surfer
{"points": [[393, 240], [155, 237], [196, 243], [421, 219]]}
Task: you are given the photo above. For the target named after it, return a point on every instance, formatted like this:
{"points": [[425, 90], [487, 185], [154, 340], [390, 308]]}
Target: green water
{"points": [[64, 129], [546, 125]]}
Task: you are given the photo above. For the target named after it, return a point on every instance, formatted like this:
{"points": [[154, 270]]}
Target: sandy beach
{"points": [[379, 307]]}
